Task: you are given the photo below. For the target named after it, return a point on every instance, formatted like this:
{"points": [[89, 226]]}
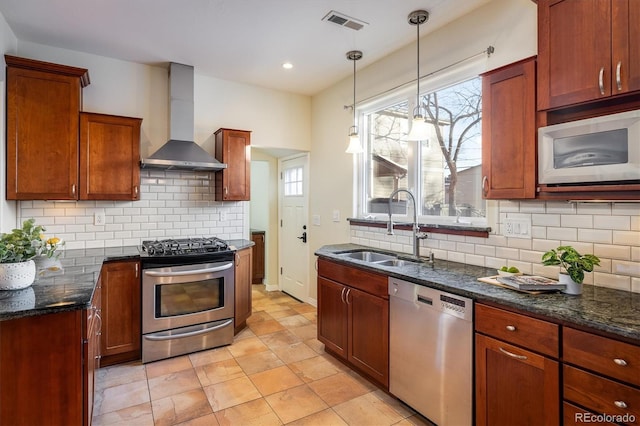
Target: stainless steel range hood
{"points": [[181, 152]]}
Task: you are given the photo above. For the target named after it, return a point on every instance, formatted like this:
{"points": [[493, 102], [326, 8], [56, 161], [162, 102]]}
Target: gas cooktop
{"points": [[184, 247]]}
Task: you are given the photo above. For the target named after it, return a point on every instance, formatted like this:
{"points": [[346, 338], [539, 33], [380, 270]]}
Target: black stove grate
{"points": [[184, 246]]}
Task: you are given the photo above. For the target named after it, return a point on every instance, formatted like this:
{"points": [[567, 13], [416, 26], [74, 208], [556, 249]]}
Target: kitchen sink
{"points": [[393, 262], [369, 256]]}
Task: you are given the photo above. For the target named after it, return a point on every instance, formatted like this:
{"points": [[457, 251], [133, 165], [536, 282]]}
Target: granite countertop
{"points": [[70, 284], [598, 308]]}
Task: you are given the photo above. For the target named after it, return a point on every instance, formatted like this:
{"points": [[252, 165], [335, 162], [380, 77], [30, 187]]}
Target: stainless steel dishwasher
{"points": [[431, 352]]}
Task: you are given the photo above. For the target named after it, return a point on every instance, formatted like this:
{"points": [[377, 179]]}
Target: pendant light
{"points": [[354, 140], [419, 128]]}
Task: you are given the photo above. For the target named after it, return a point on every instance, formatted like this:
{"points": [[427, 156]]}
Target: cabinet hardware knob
{"points": [[135, 190], [73, 189], [601, 80], [485, 181], [619, 361], [511, 327], [620, 404], [342, 295], [512, 355], [346, 296], [618, 79]]}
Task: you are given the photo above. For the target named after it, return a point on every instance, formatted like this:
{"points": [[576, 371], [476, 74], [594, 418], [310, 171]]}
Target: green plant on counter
{"points": [[26, 243], [574, 263]]}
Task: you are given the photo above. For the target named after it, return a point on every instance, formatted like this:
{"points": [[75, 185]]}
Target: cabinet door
{"points": [[257, 271], [109, 157], [515, 386], [625, 27], [509, 132], [369, 334], [42, 135], [574, 51], [233, 147], [121, 307], [41, 373], [332, 316], [242, 289]]}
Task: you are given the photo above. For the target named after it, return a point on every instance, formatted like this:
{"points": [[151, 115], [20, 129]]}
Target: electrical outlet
{"points": [[99, 218], [516, 228], [223, 216]]}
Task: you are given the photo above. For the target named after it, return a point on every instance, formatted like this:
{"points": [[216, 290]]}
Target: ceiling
{"points": [[245, 41]]}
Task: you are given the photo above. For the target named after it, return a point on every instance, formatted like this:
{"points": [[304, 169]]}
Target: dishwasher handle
{"points": [[425, 300]]}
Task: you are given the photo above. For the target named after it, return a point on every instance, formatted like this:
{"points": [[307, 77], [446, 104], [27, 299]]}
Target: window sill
{"points": [[451, 229]]}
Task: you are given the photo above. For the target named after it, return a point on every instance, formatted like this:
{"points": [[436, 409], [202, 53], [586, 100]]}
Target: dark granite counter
{"points": [[598, 308], [70, 283]]}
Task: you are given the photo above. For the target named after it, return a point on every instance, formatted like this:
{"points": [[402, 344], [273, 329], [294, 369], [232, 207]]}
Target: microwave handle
{"points": [[189, 271]]}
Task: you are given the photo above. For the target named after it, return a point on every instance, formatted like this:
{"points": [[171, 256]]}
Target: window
{"points": [[293, 180], [443, 172]]}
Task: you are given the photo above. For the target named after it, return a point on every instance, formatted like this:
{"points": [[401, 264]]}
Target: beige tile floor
{"points": [[276, 372]]}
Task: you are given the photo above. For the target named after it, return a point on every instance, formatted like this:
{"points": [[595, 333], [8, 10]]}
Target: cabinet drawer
{"points": [[574, 416], [603, 355], [534, 334], [601, 395], [370, 282]]}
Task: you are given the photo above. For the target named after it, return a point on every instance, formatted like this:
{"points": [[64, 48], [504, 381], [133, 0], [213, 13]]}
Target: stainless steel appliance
{"points": [[431, 352], [187, 296], [603, 149]]}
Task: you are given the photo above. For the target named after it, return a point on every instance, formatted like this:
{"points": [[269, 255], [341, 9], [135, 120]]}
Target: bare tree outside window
{"points": [[455, 114], [447, 164]]}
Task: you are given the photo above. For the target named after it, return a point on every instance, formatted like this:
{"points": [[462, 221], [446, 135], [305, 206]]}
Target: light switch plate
{"points": [[315, 219], [336, 216], [516, 228]]}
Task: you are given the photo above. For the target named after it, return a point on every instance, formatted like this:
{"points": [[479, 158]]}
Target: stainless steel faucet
{"points": [[417, 235]]}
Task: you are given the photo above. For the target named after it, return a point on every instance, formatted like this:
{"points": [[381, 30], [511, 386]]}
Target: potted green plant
{"points": [[573, 263], [18, 248]]}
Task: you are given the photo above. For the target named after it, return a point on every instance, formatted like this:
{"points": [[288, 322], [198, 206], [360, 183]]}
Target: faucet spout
{"points": [[417, 235]]}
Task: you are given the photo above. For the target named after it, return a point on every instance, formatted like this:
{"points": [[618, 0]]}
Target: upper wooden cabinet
{"points": [[233, 147], [109, 157], [43, 102], [587, 50], [509, 131]]}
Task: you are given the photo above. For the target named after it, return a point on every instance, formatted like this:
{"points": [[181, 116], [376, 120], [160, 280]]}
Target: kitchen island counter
{"points": [[598, 308]]}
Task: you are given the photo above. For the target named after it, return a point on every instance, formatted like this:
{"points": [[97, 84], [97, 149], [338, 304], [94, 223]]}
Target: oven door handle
{"points": [[190, 271], [189, 333]]}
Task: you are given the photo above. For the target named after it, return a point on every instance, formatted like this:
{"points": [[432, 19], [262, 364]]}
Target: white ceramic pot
{"points": [[16, 276], [572, 286]]}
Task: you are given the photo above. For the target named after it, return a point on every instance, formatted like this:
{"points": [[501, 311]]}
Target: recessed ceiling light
{"points": [[287, 65]]}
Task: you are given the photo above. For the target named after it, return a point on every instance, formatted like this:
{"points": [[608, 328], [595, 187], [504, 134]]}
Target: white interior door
{"points": [[294, 201]]}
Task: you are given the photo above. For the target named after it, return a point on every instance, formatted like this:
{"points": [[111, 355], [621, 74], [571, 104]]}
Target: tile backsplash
{"points": [[611, 231], [172, 204]]}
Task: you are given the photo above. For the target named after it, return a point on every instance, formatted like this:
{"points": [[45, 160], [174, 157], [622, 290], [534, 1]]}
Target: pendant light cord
{"points": [[418, 67], [354, 92]]}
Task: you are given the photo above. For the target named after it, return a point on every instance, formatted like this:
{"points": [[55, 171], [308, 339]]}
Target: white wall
{"points": [[8, 43]]}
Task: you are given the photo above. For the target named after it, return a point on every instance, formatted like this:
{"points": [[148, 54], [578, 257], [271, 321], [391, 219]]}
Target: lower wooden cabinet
{"points": [[121, 312], [47, 368], [242, 289], [353, 318], [258, 270], [514, 385]]}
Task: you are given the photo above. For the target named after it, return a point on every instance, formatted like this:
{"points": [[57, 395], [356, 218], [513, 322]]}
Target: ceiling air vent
{"points": [[344, 20]]}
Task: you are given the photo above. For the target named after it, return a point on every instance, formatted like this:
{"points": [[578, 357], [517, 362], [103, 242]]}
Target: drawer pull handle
{"points": [[620, 404], [601, 80], [512, 355], [511, 327], [621, 362]]}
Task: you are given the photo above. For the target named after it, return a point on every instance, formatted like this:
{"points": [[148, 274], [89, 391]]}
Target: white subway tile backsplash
{"points": [[172, 205], [611, 231]]}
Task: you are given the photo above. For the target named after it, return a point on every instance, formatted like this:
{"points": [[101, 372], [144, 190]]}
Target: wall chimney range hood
{"points": [[181, 152]]}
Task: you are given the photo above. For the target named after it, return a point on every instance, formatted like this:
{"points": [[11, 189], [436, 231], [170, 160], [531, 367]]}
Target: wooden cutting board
{"points": [[492, 280]]}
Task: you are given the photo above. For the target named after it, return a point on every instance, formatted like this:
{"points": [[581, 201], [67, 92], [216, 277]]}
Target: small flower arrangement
{"points": [[25, 243]]}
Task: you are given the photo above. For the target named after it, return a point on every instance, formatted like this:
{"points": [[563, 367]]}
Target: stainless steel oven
{"points": [[187, 303]]}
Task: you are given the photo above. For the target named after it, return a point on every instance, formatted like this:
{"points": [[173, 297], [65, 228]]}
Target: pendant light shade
{"points": [[419, 128], [355, 147]]}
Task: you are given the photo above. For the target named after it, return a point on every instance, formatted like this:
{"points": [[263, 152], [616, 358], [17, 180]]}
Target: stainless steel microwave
{"points": [[603, 149]]}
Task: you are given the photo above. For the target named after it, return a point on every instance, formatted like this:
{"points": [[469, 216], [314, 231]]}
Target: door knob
{"points": [[303, 237]]}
